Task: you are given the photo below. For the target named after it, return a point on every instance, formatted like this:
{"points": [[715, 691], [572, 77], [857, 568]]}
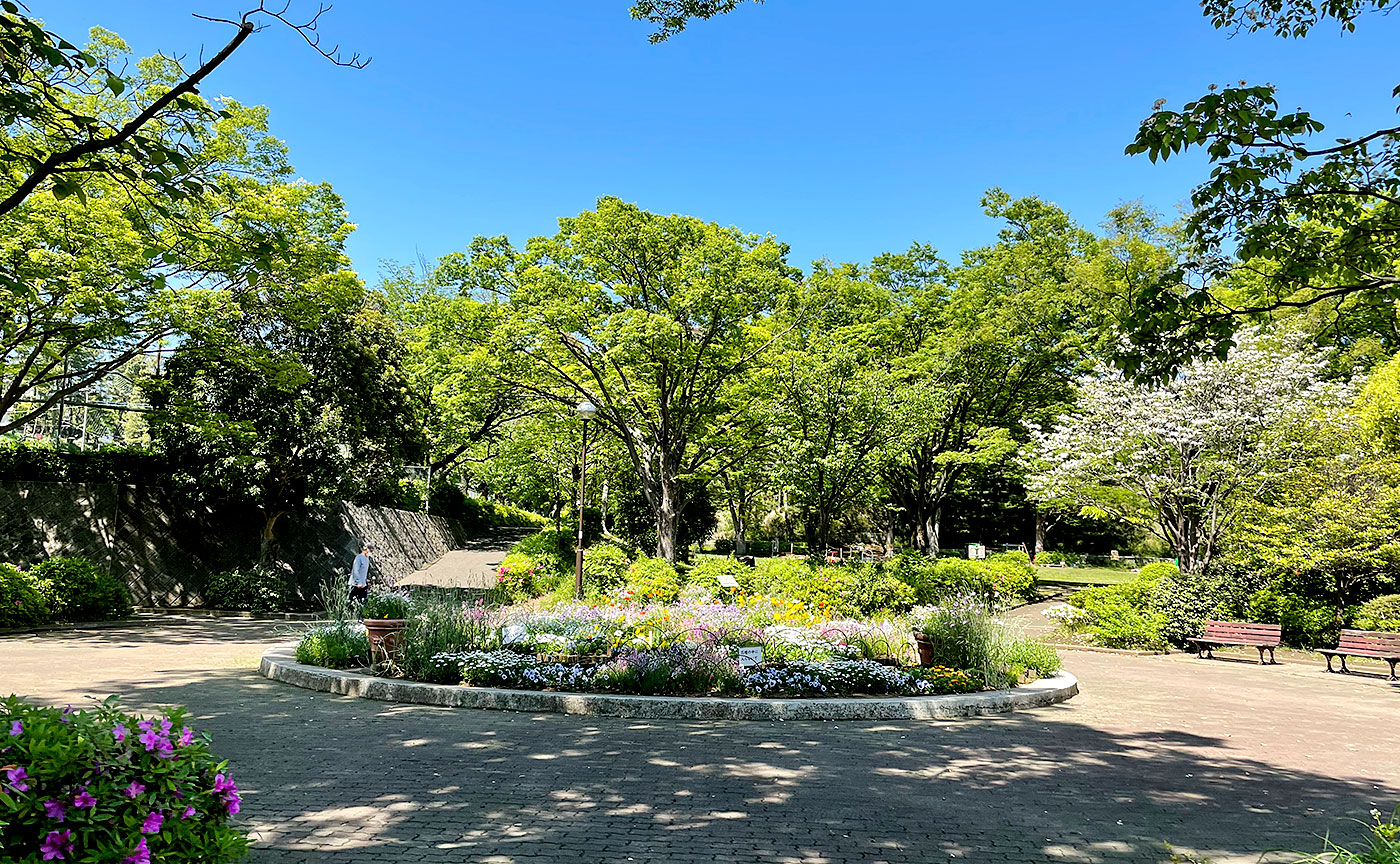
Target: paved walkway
{"points": [[1225, 759], [473, 566]]}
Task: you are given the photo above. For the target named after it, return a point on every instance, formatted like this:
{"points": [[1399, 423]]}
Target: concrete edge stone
{"points": [[279, 664]]}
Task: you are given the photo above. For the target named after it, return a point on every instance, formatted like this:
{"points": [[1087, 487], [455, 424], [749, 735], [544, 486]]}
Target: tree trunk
{"points": [[931, 529], [1040, 530], [668, 519], [741, 541], [266, 537]]}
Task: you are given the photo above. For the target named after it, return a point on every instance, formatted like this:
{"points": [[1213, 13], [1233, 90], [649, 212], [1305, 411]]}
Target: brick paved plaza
{"points": [[1225, 759]]}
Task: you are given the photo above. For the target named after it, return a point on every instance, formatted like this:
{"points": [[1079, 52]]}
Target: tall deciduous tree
{"points": [[656, 320], [984, 349]]}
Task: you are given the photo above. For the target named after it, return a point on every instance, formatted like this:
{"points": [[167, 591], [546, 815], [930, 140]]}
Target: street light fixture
{"points": [[586, 411]]}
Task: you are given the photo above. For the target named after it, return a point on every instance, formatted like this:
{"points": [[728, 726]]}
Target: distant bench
{"points": [[1220, 633], [1365, 643]]}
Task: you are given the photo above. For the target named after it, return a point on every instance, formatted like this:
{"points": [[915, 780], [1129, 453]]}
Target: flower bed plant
{"points": [[692, 648], [102, 785]]}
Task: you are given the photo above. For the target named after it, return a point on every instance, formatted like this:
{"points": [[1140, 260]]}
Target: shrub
{"points": [[1306, 622], [76, 589], [22, 604], [1186, 601], [257, 589], [605, 567], [101, 785], [706, 571], [518, 577], [548, 554], [1158, 569], [653, 580], [386, 606], [1031, 659], [1381, 613], [1001, 580], [335, 646], [878, 591], [770, 574], [1118, 616], [1051, 559]]}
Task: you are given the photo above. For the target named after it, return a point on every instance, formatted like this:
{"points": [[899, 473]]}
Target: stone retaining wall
{"points": [[167, 548]]}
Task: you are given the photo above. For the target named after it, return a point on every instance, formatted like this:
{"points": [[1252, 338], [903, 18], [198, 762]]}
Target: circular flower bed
{"points": [[755, 646]]}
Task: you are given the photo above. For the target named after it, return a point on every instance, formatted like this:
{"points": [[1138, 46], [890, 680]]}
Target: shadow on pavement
{"points": [[343, 780]]}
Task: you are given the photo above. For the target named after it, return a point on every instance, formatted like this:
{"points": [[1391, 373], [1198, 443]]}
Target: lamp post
{"points": [[586, 411]]}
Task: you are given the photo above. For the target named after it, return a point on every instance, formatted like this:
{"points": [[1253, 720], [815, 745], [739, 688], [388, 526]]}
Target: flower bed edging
{"points": [[279, 664]]}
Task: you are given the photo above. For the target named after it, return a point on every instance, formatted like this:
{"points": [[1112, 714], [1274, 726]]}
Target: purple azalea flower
{"points": [[149, 738], [186, 737], [134, 789], [84, 799], [189, 813], [55, 810], [17, 776], [16, 728], [57, 845], [142, 855], [119, 732], [166, 726], [228, 792], [68, 710], [233, 803], [152, 823]]}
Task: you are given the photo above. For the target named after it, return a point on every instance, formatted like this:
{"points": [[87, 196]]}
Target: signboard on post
{"points": [[750, 657], [727, 580], [976, 552]]}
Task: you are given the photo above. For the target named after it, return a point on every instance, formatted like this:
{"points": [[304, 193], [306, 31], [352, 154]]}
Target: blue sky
{"points": [[843, 128]]}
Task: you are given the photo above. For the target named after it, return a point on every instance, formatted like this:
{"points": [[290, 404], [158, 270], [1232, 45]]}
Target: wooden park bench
{"points": [[1365, 643], [1220, 633]]}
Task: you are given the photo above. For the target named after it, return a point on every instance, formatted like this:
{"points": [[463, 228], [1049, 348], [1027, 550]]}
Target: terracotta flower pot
{"points": [[385, 636], [925, 646]]}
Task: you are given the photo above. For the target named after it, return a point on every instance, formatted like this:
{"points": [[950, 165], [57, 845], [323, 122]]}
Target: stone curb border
{"points": [[279, 664], [156, 618]]}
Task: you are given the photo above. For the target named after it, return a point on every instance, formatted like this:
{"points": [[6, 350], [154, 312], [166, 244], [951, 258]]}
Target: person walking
{"points": [[359, 575]]}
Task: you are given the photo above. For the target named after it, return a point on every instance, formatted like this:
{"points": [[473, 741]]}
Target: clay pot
{"points": [[385, 636], [925, 647]]}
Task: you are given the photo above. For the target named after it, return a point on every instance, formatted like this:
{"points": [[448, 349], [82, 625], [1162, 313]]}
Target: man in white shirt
{"points": [[359, 575]]}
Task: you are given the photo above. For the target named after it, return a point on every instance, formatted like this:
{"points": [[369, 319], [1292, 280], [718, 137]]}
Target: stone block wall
{"points": [[167, 548]]}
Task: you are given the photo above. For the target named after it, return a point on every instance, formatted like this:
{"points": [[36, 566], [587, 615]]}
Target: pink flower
{"points": [[55, 810], [16, 728], [17, 776], [84, 799], [57, 846], [186, 737], [134, 789], [189, 813], [152, 823], [119, 732], [142, 855]]}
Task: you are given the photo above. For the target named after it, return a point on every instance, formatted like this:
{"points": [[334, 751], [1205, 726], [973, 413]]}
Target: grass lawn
{"points": [[1083, 575]]}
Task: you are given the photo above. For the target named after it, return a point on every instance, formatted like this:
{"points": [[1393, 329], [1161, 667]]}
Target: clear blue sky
{"points": [[843, 128]]}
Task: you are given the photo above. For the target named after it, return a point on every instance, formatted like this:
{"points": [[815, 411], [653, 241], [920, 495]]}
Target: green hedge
{"points": [[1380, 613], [76, 589], [26, 460], [254, 589], [22, 603]]}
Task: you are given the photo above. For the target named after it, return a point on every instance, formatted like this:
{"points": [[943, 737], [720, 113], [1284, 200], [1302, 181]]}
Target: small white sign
{"points": [[727, 581], [976, 552], [750, 657], [513, 633]]}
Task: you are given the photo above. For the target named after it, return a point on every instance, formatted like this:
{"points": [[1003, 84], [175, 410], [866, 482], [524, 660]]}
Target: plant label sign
{"points": [[513, 634], [750, 657], [727, 580]]}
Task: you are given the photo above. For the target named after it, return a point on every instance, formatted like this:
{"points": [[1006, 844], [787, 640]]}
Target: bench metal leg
{"points": [[1392, 670], [1329, 664], [1345, 670], [1272, 661]]}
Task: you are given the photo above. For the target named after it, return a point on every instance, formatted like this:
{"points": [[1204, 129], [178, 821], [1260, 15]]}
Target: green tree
{"points": [[657, 321], [291, 394], [985, 349]]}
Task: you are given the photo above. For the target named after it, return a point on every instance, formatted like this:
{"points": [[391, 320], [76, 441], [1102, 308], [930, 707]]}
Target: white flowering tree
{"points": [[1179, 459]]}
